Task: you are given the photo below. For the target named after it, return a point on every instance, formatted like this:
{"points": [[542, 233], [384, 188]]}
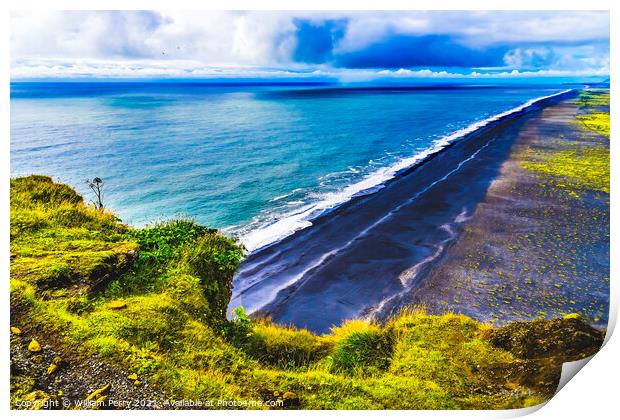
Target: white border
{"points": [[592, 394], [314, 5]]}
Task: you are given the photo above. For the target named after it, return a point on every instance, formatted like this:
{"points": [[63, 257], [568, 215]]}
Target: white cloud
{"points": [[175, 44], [529, 57], [97, 68], [212, 37], [427, 73], [480, 28]]}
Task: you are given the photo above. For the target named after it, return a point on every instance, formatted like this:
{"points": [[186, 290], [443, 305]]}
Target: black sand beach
{"points": [[407, 243]]}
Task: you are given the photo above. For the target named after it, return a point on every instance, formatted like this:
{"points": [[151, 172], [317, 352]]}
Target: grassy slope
{"points": [[152, 302]]}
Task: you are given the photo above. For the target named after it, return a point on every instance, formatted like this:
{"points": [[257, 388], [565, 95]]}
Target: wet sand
{"points": [[404, 244]]}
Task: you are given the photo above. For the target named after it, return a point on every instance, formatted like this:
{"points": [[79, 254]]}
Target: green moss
{"points": [[573, 167], [597, 121], [581, 167], [25, 396], [595, 106], [592, 98]]}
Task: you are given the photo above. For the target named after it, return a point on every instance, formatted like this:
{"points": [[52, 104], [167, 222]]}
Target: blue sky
{"points": [[342, 46]]}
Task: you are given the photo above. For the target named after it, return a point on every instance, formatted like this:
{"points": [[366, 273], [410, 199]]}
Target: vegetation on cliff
{"points": [[124, 314]]}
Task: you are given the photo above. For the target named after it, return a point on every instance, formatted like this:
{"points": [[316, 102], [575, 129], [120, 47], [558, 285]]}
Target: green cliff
{"points": [[105, 316]]}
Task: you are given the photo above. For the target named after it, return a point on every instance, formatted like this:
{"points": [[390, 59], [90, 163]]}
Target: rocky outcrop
{"points": [[566, 338]]}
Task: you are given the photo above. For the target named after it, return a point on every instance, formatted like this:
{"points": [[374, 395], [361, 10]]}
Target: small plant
{"points": [[364, 351], [97, 186], [240, 328], [162, 241]]}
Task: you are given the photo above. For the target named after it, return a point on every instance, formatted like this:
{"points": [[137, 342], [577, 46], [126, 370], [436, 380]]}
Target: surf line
{"points": [[328, 255], [288, 223], [407, 276]]}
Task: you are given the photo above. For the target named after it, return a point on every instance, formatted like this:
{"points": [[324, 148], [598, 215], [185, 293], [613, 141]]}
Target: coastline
{"points": [[271, 234], [538, 243], [336, 264]]}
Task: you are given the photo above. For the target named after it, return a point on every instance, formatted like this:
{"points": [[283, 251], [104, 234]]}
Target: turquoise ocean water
{"points": [[258, 161]]}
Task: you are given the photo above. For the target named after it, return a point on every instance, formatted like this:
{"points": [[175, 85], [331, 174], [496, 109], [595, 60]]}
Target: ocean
{"points": [[257, 161]]}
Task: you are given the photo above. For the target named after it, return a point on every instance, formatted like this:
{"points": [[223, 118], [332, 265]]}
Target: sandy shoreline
{"points": [[532, 248], [386, 250]]}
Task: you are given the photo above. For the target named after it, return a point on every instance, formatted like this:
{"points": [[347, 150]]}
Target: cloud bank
{"points": [[340, 45]]}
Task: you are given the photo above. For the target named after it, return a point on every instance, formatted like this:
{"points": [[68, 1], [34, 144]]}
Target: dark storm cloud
{"points": [[316, 42], [402, 51]]}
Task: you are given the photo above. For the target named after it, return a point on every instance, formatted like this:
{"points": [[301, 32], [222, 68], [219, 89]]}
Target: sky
{"points": [[310, 46]]}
